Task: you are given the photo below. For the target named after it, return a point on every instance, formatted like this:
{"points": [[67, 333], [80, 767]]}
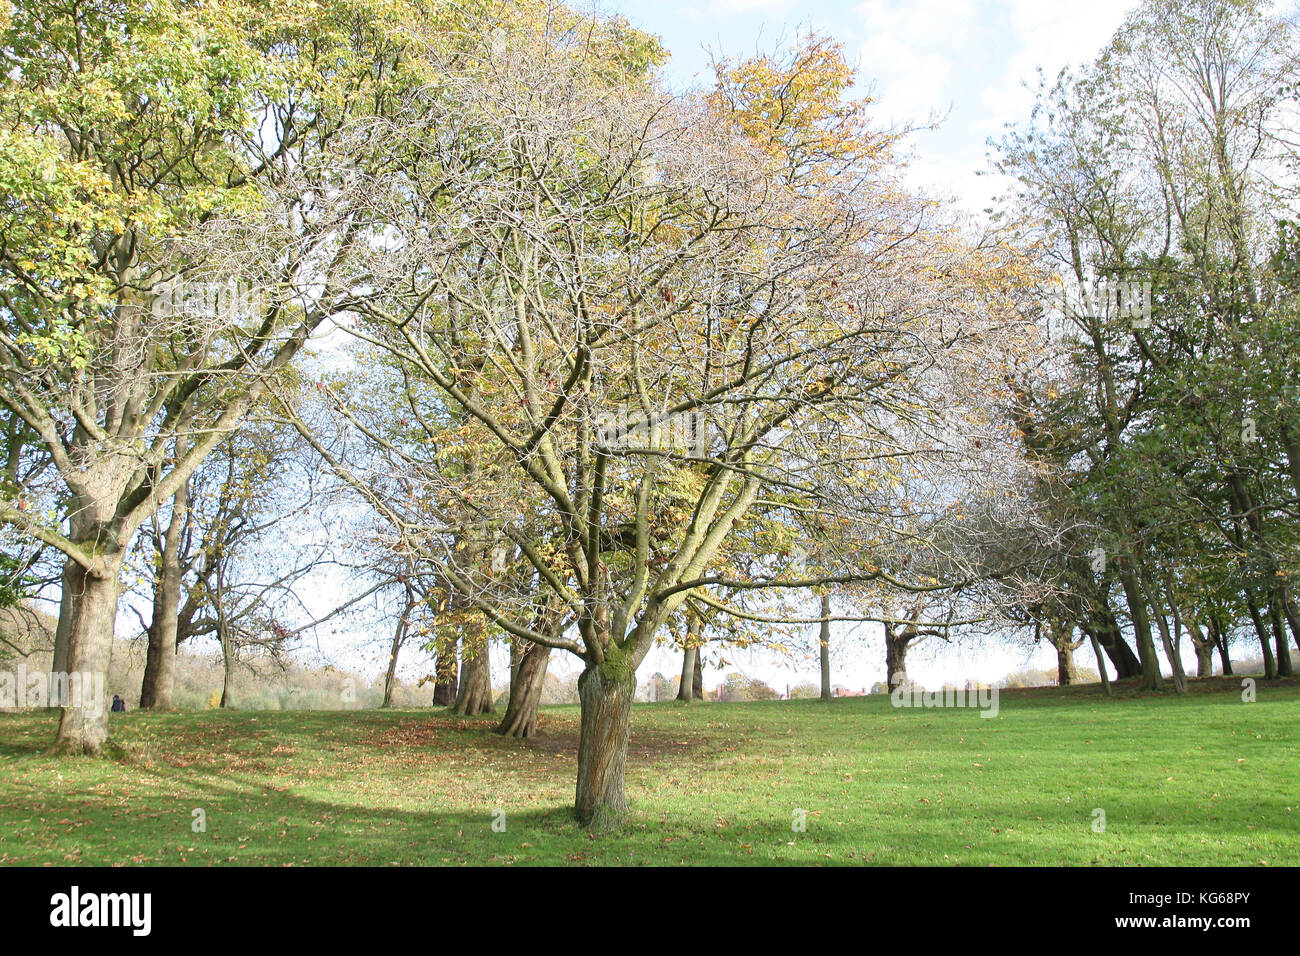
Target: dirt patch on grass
{"points": [[646, 747]]}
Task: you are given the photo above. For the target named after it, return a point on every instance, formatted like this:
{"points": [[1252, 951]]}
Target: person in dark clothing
{"points": [[119, 705]]}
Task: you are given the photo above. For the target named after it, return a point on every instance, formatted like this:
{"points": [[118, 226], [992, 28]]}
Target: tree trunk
{"points": [[602, 746], [1066, 671], [1170, 642], [475, 695], [1204, 660], [83, 729], [1270, 665], [160, 658], [690, 659], [1112, 642], [1220, 639], [1282, 653], [1060, 634], [63, 631], [686, 687], [697, 682], [1137, 607], [1101, 663], [227, 667], [1201, 644], [895, 657], [1172, 655], [527, 678], [446, 682], [824, 642], [390, 676]]}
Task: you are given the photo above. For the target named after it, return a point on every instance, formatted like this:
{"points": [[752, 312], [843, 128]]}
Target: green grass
{"points": [[1200, 780]]}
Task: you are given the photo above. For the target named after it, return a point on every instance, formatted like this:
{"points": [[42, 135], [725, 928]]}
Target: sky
{"points": [[963, 60]]}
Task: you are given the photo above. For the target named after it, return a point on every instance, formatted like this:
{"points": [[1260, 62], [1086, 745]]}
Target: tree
{"points": [[563, 260], [154, 155], [1153, 170]]}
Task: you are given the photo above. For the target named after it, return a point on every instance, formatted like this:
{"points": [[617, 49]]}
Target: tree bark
{"points": [[1169, 641], [1220, 639], [399, 636], [606, 702], [1276, 603], [1101, 663], [527, 678], [686, 688], [160, 658], [1137, 607], [690, 660], [475, 695], [1270, 665], [446, 672], [1108, 634], [1060, 634], [83, 729], [895, 656], [824, 642], [227, 667], [1202, 645], [63, 631], [1066, 671]]}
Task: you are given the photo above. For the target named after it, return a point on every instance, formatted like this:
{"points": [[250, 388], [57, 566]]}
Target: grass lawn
{"points": [[1205, 779]]}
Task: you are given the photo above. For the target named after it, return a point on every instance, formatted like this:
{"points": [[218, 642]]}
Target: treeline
{"points": [[1160, 184]]}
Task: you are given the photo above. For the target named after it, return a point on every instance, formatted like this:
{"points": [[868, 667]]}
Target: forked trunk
{"points": [[92, 612], [475, 684], [1201, 644], [602, 746], [1066, 672], [1170, 642], [1204, 660], [527, 678], [895, 657], [1172, 655], [1220, 641], [1061, 636]]}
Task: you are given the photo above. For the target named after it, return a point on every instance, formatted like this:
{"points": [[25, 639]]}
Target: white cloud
{"points": [[909, 50]]}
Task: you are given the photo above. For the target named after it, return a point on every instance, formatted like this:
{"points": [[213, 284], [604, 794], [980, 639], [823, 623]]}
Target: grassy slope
{"points": [[1204, 779]]}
